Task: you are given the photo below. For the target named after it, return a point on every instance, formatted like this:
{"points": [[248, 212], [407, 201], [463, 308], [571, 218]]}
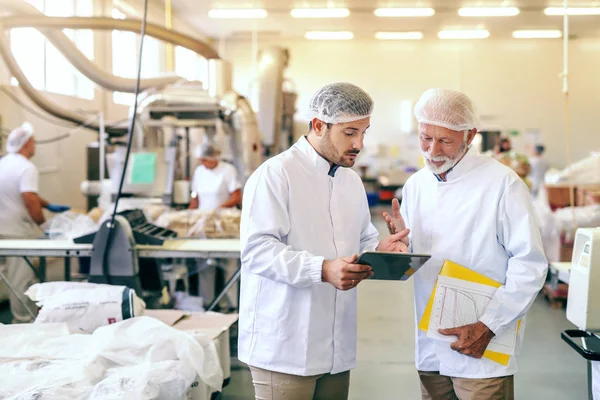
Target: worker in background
{"points": [[539, 167], [305, 218], [21, 212], [505, 146], [472, 210], [215, 184]]}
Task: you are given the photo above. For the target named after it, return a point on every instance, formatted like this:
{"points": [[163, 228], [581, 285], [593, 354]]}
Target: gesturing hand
{"points": [[343, 274], [472, 340], [395, 222], [395, 243]]}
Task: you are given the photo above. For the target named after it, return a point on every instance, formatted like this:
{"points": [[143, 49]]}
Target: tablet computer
{"points": [[392, 266]]}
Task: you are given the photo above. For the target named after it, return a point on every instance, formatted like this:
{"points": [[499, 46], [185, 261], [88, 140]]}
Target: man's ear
{"points": [[319, 126], [471, 136]]}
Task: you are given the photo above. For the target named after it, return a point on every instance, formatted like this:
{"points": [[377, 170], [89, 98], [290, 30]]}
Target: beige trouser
{"points": [[270, 385], [438, 387], [20, 277]]}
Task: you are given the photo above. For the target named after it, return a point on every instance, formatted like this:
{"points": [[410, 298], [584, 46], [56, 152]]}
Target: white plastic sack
{"points": [[69, 225], [140, 358], [41, 291], [86, 308], [585, 217]]}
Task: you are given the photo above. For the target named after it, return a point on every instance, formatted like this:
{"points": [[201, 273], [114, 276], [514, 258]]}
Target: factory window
{"points": [[191, 66], [125, 54], [43, 65]]}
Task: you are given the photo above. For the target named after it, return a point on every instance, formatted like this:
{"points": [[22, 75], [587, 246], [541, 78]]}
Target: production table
{"points": [[175, 248]]}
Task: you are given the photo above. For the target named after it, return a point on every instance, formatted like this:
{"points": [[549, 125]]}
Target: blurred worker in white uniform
{"points": [[215, 184], [472, 210], [21, 212], [539, 167], [305, 218]]}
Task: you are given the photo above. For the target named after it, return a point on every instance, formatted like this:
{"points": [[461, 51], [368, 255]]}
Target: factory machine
{"points": [[583, 305], [170, 113]]}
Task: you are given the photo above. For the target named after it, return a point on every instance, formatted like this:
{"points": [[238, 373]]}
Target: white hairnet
{"points": [[206, 150], [446, 108], [339, 103], [18, 137]]}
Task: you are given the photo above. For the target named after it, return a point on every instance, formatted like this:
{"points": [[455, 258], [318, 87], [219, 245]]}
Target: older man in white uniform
{"points": [[474, 211], [21, 211], [304, 219]]}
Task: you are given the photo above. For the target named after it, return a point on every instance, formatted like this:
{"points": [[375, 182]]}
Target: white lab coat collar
{"points": [[316, 159], [468, 162]]}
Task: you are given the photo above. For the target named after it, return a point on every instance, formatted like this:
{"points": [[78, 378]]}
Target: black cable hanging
{"points": [[132, 120]]}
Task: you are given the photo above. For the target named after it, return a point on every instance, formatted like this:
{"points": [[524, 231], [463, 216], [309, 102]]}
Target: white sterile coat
{"points": [[294, 216], [481, 218]]}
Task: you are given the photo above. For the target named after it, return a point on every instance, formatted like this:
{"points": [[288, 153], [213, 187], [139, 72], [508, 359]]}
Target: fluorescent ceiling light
{"points": [[404, 12], [399, 35], [572, 11], [488, 11], [237, 13], [329, 35], [320, 12], [464, 34], [537, 34]]}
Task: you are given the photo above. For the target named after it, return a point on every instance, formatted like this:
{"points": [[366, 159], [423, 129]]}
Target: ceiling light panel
{"points": [[488, 11], [329, 35], [572, 11], [320, 13], [249, 13], [404, 12], [399, 35], [537, 34], [464, 34]]}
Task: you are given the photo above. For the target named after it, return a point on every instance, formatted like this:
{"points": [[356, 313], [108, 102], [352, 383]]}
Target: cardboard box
{"points": [[215, 325]]}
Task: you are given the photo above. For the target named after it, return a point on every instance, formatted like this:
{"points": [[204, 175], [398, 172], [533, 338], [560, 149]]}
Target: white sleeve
{"points": [[265, 225], [195, 179], [527, 267], [29, 180], [405, 216], [233, 184], [369, 234]]}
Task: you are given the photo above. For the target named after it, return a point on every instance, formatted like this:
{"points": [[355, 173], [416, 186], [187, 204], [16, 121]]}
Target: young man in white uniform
{"points": [[215, 183], [304, 220], [21, 212], [474, 211]]}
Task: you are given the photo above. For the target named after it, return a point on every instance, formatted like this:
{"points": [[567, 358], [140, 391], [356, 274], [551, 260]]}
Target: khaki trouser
{"points": [[438, 387], [270, 385], [20, 276]]}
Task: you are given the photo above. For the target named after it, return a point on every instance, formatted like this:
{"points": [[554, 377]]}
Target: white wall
{"points": [[515, 82], [63, 165]]}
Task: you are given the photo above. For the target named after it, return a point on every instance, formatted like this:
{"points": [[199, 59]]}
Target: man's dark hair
{"points": [[539, 149]]}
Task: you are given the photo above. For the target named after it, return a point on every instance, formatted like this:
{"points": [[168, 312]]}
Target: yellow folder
{"points": [[457, 271]]}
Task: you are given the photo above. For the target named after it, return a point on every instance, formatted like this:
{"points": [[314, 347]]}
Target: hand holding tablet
{"points": [[390, 266]]}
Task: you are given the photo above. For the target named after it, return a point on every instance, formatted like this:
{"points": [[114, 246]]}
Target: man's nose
{"points": [[435, 149], [358, 143]]}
